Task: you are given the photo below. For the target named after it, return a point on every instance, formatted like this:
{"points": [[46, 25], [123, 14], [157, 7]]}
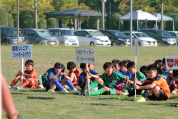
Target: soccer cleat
{"points": [[64, 91], [50, 90], [174, 91], [10, 87], [76, 91], [123, 93], [141, 99], [85, 93], [19, 87], [40, 86]]}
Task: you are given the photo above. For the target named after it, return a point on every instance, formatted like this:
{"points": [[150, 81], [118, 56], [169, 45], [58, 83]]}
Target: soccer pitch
{"points": [[38, 104]]}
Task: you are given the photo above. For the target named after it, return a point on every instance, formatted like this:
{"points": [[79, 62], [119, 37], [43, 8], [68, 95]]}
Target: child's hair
{"points": [[143, 69], [115, 61], [124, 63], [151, 67], [71, 65], [82, 65], [164, 61], [107, 64], [159, 63], [29, 62], [59, 65], [131, 64]]}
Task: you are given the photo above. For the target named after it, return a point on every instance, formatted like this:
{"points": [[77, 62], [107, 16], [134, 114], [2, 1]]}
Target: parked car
{"points": [[9, 35], [116, 37], [174, 33], [92, 37], [143, 39], [161, 36], [65, 36], [35, 36]]}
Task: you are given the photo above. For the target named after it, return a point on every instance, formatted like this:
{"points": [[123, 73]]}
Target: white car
{"points": [[90, 37], [143, 39], [65, 36], [174, 33]]}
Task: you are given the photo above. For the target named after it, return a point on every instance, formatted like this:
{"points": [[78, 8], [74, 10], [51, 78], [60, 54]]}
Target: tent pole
{"points": [[173, 25], [75, 23], [137, 24]]}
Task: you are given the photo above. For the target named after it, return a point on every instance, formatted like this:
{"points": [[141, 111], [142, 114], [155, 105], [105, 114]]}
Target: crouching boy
{"points": [[156, 87], [108, 81]]}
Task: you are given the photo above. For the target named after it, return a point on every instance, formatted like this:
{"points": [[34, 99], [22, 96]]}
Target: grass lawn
{"points": [[37, 104]]}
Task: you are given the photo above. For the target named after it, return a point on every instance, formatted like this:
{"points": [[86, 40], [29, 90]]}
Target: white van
{"points": [[143, 39], [91, 37], [65, 36]]}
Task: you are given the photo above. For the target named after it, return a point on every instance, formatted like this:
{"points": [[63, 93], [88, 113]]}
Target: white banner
{"points": [[20, 51], [171, 62], [85, 55]]}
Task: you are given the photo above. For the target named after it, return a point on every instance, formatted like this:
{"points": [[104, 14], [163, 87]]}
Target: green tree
{"points": [[51, 22], [26, 19], [42, 24], [10, 20], [3, 17], [62, 3]]}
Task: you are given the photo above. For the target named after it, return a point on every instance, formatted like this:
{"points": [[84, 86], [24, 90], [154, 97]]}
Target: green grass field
{"points": [[38, 104]]}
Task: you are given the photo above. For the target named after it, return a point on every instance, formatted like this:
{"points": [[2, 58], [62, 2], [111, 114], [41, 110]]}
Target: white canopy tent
{"points": [[139, 15]]}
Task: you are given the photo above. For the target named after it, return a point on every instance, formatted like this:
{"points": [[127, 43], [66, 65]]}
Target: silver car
{"points": [[42, 36]]}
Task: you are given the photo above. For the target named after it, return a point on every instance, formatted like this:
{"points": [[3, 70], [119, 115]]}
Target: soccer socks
{"points": [[14, 82], [40, 80], [147, 92], [71, 86], [97, 92], [92, 85], [58, 85]]}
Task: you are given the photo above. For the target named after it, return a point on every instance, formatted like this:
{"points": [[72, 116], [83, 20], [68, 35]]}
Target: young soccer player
{"points": [[30, 75], [156, 87], [108, 81], [57, 78], [73, 73], [139, 75], [82, 81]]}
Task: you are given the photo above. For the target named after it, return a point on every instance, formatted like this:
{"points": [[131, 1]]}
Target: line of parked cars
{"points": [[88, 37]]}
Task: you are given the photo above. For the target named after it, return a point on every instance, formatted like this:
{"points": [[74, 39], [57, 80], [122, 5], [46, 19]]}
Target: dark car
{"points": [[9, 35], [162, 36], [116, 37], [34, 36]]}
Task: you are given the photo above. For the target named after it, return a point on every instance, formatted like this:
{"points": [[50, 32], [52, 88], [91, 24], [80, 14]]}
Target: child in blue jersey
{"points": [[123, 71], [108, 81], [57, 78], [82, 80]]}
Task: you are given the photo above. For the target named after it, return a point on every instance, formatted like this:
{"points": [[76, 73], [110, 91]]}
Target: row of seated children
{"points": [[57, 78], [154, 86]]}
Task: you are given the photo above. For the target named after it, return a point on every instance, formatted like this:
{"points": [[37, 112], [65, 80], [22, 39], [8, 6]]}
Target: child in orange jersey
{"points": [[73, 73], [155, 86], [30, 75]]}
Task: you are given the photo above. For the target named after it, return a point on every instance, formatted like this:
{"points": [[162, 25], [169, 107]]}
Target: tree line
{"points": [[113, 8]]}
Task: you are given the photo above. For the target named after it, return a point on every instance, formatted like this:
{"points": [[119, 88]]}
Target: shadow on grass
{"points": [[19, 94], [38, 90], [106, 98], [41, 98], [101, 104]]}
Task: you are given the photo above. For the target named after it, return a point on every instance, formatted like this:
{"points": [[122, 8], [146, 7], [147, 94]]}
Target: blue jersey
{"points": [[52, 74], [126, 74], [83, 75]]}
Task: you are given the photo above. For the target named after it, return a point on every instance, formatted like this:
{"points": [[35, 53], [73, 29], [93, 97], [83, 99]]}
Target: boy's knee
{"points": [[100, 81], [106, 89]]}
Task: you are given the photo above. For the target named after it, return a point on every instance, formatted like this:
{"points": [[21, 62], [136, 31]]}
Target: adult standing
{"points": [[145, 24], [159, 24]]}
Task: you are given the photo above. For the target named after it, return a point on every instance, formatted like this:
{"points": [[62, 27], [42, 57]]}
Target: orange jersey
{"points": [[77, 73], [163, 85], [34, 77]]}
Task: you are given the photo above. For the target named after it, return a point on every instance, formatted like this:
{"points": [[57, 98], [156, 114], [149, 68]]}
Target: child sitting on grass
{"points": [[139, 75], [57, 78], [108, 81], [30, 75], [156, 87], [73, 73], [82, 81]]}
